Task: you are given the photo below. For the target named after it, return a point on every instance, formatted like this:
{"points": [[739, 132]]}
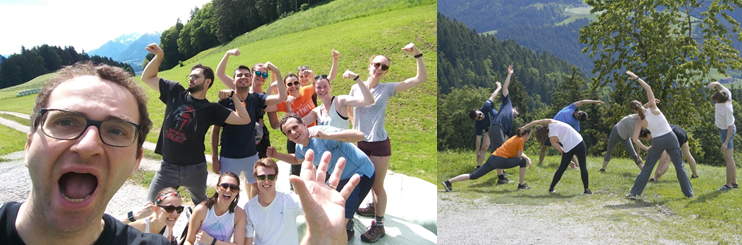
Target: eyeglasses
{"points": [[193, 76], [383, 67], [171, 208], [230, 186], [271, 177], [317, 77], [264, 74], [242, 75], [67, 125], [295, 83]]}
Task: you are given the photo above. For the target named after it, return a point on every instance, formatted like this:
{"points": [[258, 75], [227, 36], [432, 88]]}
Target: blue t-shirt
{"points": [[565, 116], [238, 141], [504, 118], [356, 162], [489, 112]]}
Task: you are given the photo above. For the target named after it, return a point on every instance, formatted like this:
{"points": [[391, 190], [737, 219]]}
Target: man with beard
{"points": [[238, 153], [181, 141]]}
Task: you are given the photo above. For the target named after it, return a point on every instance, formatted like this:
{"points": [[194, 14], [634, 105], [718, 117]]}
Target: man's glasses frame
{"points": [[103, 126]]}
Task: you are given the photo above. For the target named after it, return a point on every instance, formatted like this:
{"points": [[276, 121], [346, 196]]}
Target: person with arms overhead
{"points": [[482, 120]]}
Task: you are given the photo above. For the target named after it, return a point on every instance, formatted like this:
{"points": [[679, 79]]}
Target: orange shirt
{"points": [[510, 148], [302, 105]]}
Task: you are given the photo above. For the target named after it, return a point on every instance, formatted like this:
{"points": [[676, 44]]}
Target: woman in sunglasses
{"points": [[336, 114], [165, 213], [299, 102], [218, 218], [370, 121]]}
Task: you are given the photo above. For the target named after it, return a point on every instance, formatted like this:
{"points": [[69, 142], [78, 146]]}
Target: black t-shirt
{"points": [[114, 232], [238, 141], [187, 119]]}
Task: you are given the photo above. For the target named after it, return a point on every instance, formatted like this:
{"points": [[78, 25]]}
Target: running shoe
{"points": [[735, 185], [447, 186], [552, 191], [504, 180], [588, 192], [632, 196], [725, 188], [374, 233], [523, 187]]}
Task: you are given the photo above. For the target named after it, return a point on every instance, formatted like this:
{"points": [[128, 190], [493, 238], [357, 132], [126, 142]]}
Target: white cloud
{"points": [[85, 24]]}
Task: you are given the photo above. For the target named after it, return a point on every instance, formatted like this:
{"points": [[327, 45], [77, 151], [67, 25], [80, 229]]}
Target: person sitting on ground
{"points": [[573, 146], [482, 119], [218, 219], [509, 155], [165, 213], [664, 161]]}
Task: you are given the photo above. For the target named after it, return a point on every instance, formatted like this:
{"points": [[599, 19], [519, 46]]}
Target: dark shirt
{"points": [[238, 141], [504, 118], [489, 112]]}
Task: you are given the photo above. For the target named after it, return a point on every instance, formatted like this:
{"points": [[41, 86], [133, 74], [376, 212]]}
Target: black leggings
{"points": [[495, 162], [579, 151]]}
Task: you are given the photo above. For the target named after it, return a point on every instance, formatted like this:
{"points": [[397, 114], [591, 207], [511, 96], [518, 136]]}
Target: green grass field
{"points": [[358, 30], [709, 208], [37, 82], [11, 140], [24, 121]]}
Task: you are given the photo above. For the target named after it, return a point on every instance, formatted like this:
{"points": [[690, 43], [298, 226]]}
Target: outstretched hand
{"points": [[632, 76], [324, 207]]}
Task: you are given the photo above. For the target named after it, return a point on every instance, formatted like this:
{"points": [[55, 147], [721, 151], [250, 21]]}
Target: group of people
{"points": [[76, 169], [669, 142]]}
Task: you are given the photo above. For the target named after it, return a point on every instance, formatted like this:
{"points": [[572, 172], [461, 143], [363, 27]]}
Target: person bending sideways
{"points": [[664, 161], [509, 155]]}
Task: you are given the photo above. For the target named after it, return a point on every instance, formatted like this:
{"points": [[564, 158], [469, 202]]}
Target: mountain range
{"points": [[128, 48]]}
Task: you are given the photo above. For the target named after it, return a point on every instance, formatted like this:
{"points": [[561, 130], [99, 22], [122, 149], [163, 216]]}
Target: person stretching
{"points": [[509, 155], [664, 161], [662, 139], [725, 122], [621, 133], [571, 146], [482, 120]]}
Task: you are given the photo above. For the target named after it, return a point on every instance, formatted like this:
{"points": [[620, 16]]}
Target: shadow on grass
{"points": [[704, 198], [631, 205]]}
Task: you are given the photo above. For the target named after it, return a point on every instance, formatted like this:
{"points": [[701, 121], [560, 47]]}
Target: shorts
{"points": [[723, 134], [378, 148], [237, 165], [682, 135]]}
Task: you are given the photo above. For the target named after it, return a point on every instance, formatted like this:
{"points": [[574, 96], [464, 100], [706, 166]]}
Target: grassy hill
{"points": [[358, 30]]}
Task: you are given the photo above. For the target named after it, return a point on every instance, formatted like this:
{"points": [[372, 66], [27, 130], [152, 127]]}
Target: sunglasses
{"points": [[317, 77], [230, 186], [263, 74], [194, 77], [295, 83], [383, 67], [271, 177], [171, 208]]}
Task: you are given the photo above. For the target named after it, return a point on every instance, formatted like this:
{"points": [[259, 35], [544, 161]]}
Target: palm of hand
{"points": [[325, 208]]}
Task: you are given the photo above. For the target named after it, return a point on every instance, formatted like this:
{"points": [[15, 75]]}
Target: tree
{"points": [[670, 44]]}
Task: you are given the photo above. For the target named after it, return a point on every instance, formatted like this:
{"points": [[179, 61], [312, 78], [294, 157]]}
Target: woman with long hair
{"points": [[662, 140], [370, 120], [622, 132], [568, 142], [509, 155], [165, 213], [218, 218]]}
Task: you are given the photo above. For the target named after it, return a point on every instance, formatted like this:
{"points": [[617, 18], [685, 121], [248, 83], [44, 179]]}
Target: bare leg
{"points": [[541, 154], [461, 177], [605, 164], [688, 157], [522, 172], [573, 163], [731, 167], [483, 151], [381, 165], [664, 163]]}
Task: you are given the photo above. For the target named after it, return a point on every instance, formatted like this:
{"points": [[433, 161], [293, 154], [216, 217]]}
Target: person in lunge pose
{"points": [[571, 146], [727, 130], [509, 155], [238, 152], [482, 120], [664, 161], [662, 139], [370, 120], [569, 115]]}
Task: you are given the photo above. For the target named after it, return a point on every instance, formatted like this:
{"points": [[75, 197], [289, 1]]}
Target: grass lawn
{"points": [[24, 121], [11, 140], [709, 208], [37, 82]]}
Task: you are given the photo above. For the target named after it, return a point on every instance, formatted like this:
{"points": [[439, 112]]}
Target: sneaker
{"points": [[523, 187], [725, 188], [652, 180], [447, 186], [632, 196], [350, 232], [504, 180], [694, 176], [505, 173], [374, 233], [735, 185], [477, 168], [368, 211], [588, 192], [602, 170], [552, 191]]}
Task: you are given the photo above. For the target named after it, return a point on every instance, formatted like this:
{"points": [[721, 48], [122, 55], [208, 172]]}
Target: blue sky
{"points": [[84, 24]]}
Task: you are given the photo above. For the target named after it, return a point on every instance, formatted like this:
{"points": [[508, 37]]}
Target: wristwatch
{"points": [[230, 95], [131, 216]]}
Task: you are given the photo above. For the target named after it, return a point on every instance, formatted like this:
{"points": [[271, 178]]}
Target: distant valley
{"points": [[128, 48]]}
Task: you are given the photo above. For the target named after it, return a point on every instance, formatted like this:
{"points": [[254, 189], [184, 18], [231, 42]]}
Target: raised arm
{"points": [[149, 75], [494, 94], [716, 85], [582, 102], [354, 101], [289, 158], [239, 116], [650, 94], [646, 105], [281, 96], [537, 122], [334, 69], [221, 69], [347, 135], [311, 116], [422, 73], [505, 90]]}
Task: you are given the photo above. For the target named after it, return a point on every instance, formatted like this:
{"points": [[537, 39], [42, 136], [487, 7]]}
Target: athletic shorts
{"points": [[378, 148]]}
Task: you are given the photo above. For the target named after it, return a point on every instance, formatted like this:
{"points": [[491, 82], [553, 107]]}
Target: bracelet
{"points": [[131, 216], [418, 55], [357, 76], [213, 241], [231, 94]]}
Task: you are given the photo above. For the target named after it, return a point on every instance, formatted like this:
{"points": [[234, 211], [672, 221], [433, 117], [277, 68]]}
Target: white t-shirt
{"points": [[370, 119], [725, 113], [276, 223], [567, 135]]}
